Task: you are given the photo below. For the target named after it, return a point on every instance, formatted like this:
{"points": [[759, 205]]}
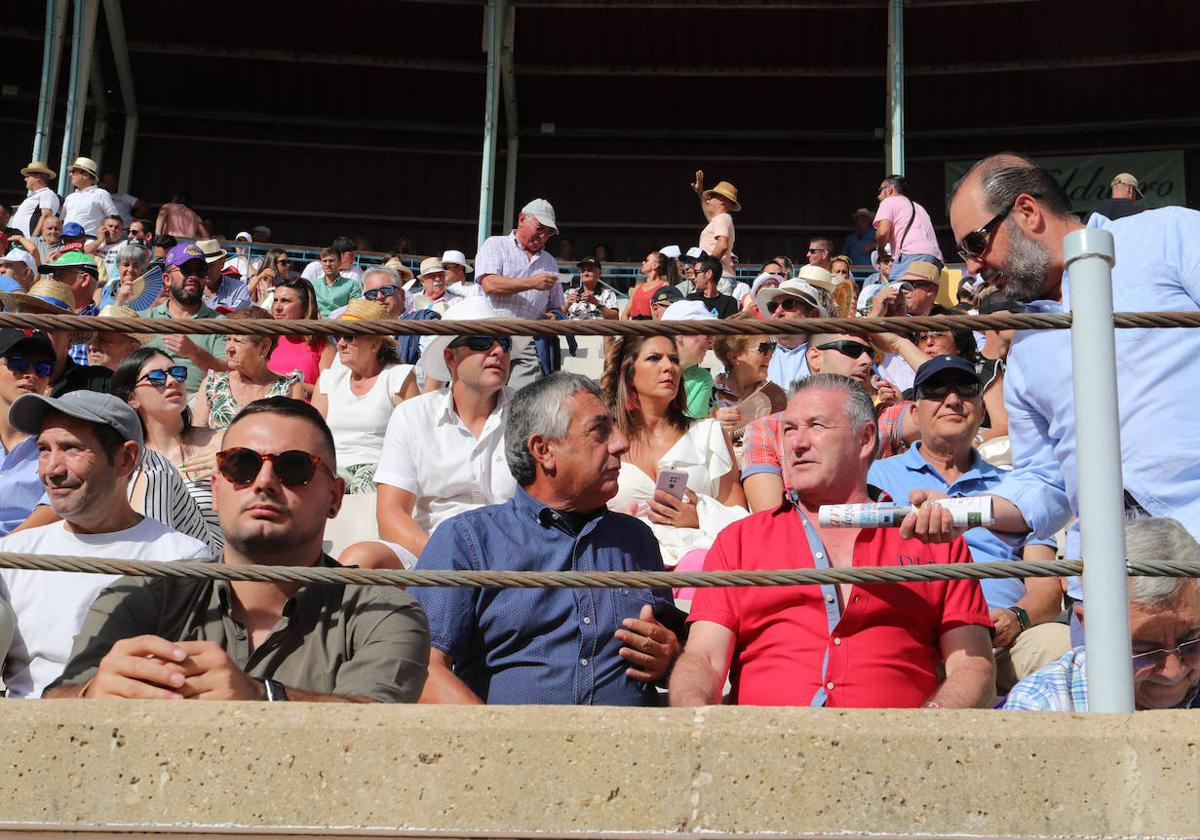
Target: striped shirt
{"points": [[1062, 687], [79, 352], [504, 256], [167, 499]]}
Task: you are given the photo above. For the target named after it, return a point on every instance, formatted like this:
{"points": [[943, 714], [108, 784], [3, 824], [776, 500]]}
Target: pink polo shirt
{"points": [[921, 238]]}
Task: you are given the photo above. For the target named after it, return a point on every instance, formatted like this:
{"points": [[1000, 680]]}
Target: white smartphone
{"points": [[674, 482]]}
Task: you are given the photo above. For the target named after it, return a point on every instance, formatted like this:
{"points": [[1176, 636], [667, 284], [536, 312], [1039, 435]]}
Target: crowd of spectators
{"points": [[479, 452]]}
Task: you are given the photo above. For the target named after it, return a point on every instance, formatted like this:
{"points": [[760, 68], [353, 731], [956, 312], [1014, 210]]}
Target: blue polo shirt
{"points": [[540, 646], [788, 365], [20, 487], [901, 474]]}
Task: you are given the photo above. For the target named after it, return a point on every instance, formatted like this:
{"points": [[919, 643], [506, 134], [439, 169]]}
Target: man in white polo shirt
{"points": [[41, 202], [89, 447], [521, 280], [443, 452], [89, 204]]}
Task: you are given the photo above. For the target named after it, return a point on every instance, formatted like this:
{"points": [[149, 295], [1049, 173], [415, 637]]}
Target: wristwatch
{"points": [[1022, 617], [275, 690]]}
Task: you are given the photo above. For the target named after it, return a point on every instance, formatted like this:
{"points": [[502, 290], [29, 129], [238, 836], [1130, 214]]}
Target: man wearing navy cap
{"points": [[25, 365], [187, 269], [663, 298], [949, 395]]}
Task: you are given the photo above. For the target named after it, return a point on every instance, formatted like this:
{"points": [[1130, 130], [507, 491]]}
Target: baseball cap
{"points": [[1129, 181], [30, 344], [71, 259], [17, 255], [75, 229], [184, 252], [543, 211], [863, 211], [936, 365], [28, 412], [586, 261], [665, 296], [688, 310]]}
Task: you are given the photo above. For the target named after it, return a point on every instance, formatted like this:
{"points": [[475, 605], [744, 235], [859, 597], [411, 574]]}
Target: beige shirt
{"points": [[370, 641], [720, 225]]}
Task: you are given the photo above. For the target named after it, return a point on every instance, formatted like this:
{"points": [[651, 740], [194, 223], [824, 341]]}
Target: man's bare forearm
{"points": [[971, 685], [693, 682], [498, 284]]}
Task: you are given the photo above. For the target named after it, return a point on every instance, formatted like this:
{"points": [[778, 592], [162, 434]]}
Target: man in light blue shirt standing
{"points": [[1009, 217], [790, 300]]}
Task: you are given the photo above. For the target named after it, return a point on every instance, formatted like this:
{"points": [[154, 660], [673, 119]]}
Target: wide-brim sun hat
{"points": [[728, 192], [457, 258], [114, 310], [361, 309], [814, 275], [45, 297], [797, 288], [396, 265], [474, 308], [39, 167]]}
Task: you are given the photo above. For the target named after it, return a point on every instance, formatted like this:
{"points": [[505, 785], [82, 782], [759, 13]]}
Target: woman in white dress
{"points": [[356, 395], [642, 385]]}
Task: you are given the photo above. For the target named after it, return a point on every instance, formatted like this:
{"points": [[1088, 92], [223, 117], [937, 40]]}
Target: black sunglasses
{"points": [[158, 378], [788, 304], [940, 391], [383, 291], [480, 343], [976, 243], [849, 349], [765, 347], [293, 468], [19, 364]]}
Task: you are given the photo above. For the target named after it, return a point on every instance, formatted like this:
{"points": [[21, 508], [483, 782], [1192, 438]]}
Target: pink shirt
{"points": [[295, 353], [181, 221], [720, 225], [900, 211]]}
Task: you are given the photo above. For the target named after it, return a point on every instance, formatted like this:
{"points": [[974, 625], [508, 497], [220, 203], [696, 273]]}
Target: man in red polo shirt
{"points": [[843, 645]]}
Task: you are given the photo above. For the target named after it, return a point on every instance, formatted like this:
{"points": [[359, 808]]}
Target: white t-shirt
{"points": [[31, 209], [50, 606], [88, 208], [430, 453], [358, 423], [313, 272]]}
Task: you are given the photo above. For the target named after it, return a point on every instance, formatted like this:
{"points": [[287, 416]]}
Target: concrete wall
{"points": [[586, 772]]}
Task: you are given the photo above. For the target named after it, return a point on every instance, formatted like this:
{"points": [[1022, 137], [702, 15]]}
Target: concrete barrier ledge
{"points": [[298, 768]]}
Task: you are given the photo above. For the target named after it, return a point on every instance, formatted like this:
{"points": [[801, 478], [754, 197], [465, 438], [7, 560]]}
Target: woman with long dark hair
{"points": [[295, 299]]}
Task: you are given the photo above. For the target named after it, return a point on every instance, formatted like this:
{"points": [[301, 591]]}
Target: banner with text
{"points": [[1088, 178]]}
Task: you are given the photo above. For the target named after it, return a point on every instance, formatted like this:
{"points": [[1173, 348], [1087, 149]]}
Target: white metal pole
{"points": [[52, 46], [895, 78], [1088, 256], [487, 177]]}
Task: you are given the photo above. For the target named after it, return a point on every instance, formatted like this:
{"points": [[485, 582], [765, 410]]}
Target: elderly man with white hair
{"points": [[1164, 623], [521, 278]]}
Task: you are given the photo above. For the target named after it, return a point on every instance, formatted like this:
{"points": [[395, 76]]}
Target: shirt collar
{"points": [[979, 468], [446, 413], [538, 511]]}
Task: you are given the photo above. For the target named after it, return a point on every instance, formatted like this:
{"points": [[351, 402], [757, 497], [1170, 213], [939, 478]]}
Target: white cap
{"points": [[671, 251], [456, 258], [687, 310], [16, 255], [543, 211], [244, 236], [695, 252]]}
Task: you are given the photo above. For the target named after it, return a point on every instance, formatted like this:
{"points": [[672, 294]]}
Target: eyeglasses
{"points": [[940, 391], [922, 337], [766, 347], [480, 343], [19, 364], [158, 378], [1156, 658], [293, 468], [788, 304], [383, 291], [976, 243], [817, 250], [849, 349]]}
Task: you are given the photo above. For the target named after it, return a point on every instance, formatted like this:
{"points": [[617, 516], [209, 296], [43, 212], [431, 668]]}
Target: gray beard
{"points": [[1027, 265]]}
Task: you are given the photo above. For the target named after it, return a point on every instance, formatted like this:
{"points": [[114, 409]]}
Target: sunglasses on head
{"points": [[942, 389], [158, 378], [787, 304], [849, 349], [19, 364], [480, 343], [976, 243], [383, 291], [293, 468], [765, 347]]}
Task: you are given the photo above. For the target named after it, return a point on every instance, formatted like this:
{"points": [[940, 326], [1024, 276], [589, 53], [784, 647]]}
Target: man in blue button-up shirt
{"points": [[540, 646], [1009, 217], [949, 410], [23, 370]]}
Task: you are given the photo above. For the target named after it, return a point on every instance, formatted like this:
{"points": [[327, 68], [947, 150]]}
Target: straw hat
{"points": [[814, 275], [361, 309], [114, 310], [39, 167], [87, 165], [476, 307], [922, 272], [397, 265], [212, 250], [431, 265], [45, 297], [727, 191]]}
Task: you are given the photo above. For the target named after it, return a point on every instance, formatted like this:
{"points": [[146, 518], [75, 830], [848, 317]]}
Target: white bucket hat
{"points": [[476, 307]]}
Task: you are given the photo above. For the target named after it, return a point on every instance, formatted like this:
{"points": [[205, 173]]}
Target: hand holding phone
{"points": [[672, 482]]}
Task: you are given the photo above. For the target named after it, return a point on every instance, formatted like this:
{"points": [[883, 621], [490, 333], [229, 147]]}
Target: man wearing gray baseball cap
{"points": [[90, 448]]}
